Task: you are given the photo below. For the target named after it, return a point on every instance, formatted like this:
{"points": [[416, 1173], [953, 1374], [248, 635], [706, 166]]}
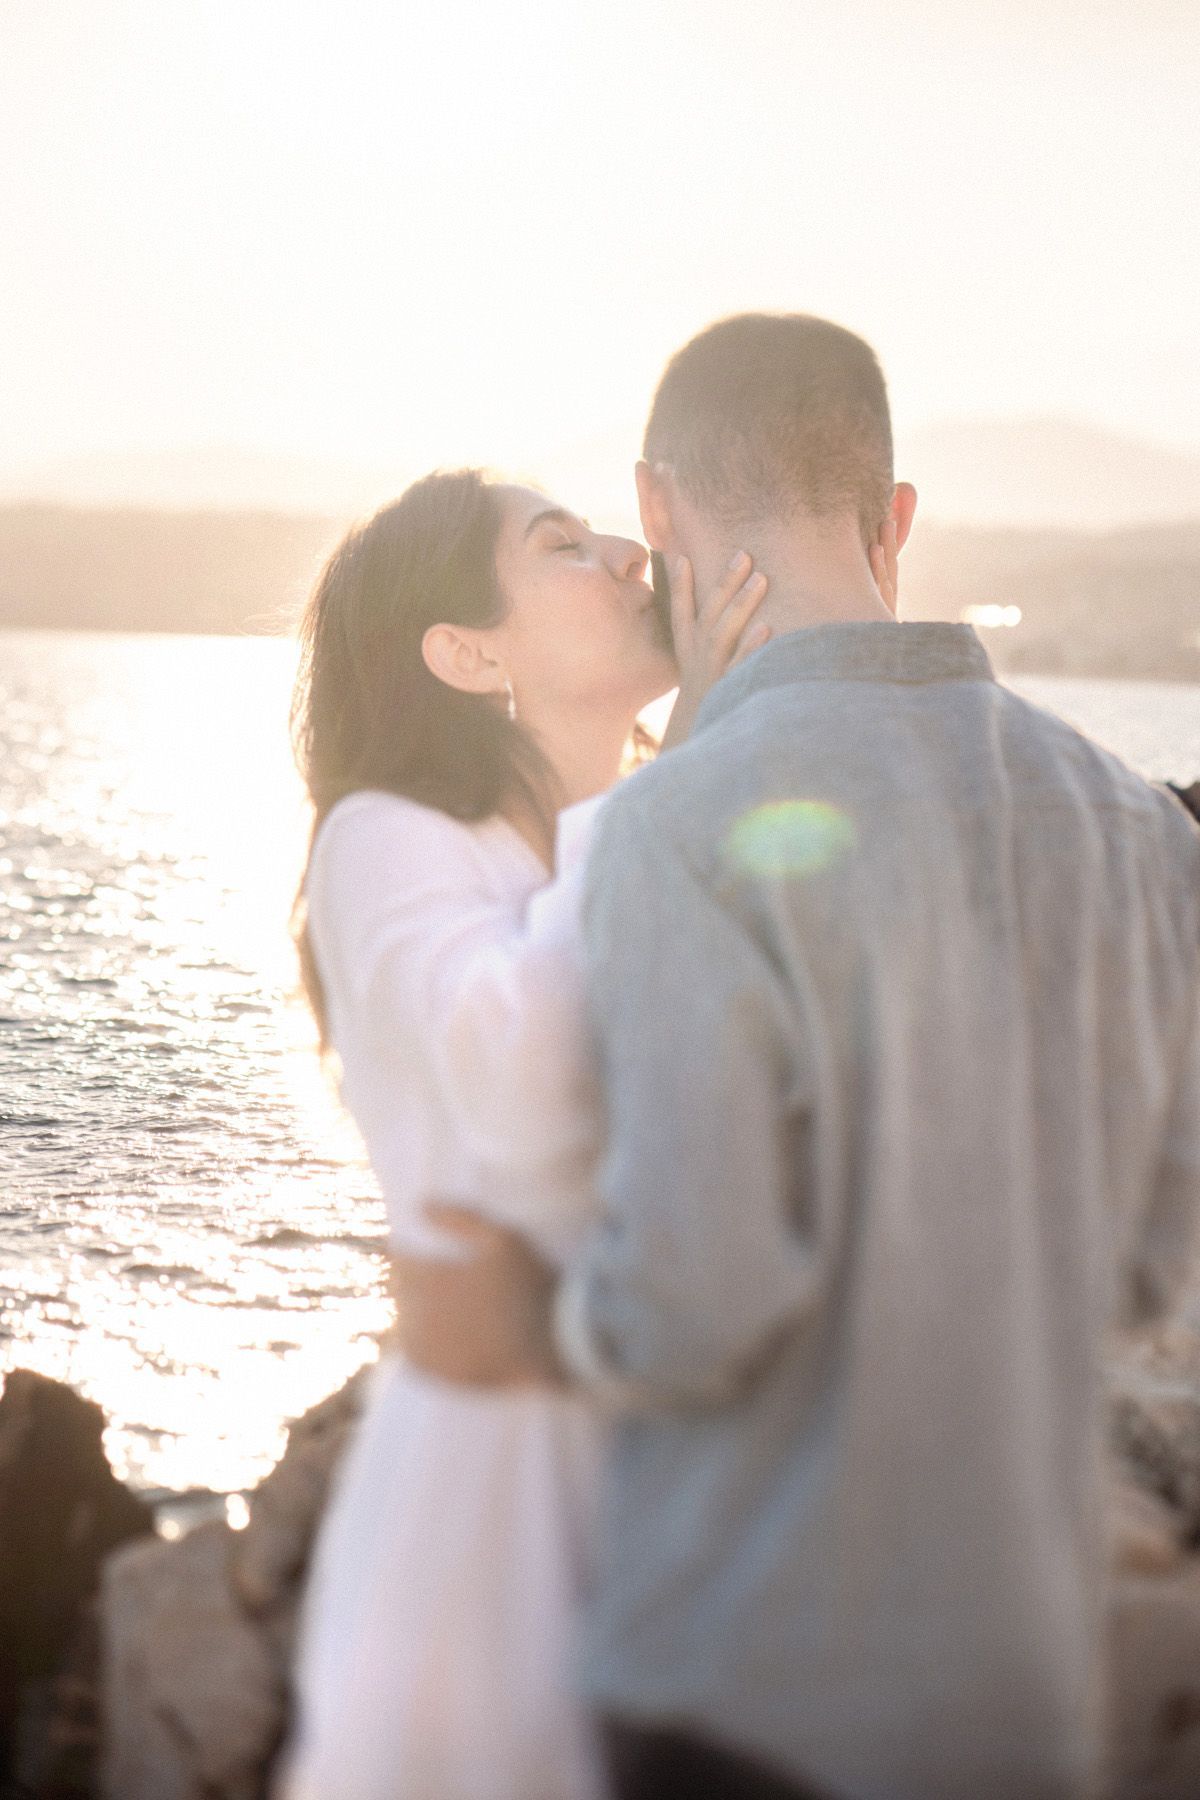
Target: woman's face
{"points": [[581, 631]]}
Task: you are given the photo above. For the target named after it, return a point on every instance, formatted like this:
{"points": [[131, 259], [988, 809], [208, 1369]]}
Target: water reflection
{"points": [[187, 1229]]}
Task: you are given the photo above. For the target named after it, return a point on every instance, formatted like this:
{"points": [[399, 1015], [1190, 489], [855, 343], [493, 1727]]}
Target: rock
{"points": [[1187, 796], [1167, 1352], [62, 1511], [268, 1559], [1156, 1686], [195, 1700], [1155, 1617], [1158, 1436], [58, 1747], [1155, 1411], [198, 1634], [1147, 1533]]}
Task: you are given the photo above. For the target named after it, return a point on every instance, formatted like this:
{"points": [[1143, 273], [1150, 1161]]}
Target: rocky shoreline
{"points": [[135, 1667]]}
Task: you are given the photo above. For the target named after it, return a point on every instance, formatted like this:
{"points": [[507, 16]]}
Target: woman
{"points": [[475, 659]]}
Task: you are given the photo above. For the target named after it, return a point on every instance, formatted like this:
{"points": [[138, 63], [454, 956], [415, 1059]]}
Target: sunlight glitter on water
{"points": [[188, 1232]]}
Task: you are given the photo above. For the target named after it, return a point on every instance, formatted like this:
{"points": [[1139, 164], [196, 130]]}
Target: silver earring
{"points": [[512, 699]]}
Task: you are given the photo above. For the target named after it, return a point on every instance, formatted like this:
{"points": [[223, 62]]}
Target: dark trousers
{"points": [[651, 1763]]}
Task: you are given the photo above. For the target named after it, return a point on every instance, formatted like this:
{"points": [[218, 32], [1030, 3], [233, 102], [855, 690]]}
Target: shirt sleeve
{"points": [[411, 938], [709, 1246], [1164, 1250]]}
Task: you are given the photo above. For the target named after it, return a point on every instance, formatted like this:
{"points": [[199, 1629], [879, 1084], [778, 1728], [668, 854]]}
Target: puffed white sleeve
{"points": [[410, 937]]}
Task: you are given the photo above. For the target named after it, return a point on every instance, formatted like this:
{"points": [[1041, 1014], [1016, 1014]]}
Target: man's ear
{"points": [[904, 505], [653, 506], [458, 658]]}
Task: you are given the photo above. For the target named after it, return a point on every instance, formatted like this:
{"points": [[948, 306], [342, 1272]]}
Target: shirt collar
{"points": [[860, 650]]}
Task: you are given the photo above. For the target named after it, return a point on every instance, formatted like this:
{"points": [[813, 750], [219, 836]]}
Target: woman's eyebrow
{"points": [[554, 515]]}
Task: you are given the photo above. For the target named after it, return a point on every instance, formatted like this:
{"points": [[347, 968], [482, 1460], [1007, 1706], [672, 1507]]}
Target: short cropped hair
{"points": [[764, 415]]}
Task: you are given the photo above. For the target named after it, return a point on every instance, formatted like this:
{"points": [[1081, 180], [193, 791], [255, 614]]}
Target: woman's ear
{"points": [[457, 657]]}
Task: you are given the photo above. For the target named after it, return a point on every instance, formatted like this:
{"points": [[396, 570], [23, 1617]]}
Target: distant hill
{"points": [[110, 570], [204, 478], [1123, 603], [1114, 603], [1031, 473], [1047, 472]]}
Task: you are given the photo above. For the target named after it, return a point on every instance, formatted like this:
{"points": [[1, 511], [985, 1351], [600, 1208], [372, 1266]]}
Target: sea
{"points": [[189, 1231]]}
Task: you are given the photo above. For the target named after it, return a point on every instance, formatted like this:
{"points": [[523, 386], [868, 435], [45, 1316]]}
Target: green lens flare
{"points": [[788, 838]]}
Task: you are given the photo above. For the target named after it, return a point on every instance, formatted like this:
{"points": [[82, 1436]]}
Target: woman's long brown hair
{"points": [[367, 712]]}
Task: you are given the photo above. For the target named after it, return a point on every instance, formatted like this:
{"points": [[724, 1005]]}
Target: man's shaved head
{"points": [[767, 415]]}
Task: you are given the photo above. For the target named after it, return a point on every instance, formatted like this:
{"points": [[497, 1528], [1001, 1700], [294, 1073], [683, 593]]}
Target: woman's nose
{"points": [[629, 559]]}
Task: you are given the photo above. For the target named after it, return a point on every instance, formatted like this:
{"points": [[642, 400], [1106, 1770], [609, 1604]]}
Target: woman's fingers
{"points": [[885, 562], [891, 551], [754, 639], [413, 1275], [739, 610], [731, 584], [879, 569], [462, 1222], [709, 638], [683, 606]]}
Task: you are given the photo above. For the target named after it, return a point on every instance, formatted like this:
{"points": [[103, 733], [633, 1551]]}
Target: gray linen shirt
{"points": [[895, 990]]}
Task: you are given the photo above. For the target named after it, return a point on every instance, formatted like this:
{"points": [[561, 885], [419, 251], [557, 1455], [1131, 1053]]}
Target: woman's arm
{"points": [[413, 945]]}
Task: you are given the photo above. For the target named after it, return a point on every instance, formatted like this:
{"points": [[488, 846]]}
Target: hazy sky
{"points": [[456, 230]]}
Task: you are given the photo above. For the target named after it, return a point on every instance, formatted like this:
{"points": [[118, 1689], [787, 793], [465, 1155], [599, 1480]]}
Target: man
{"points": [[896, 996]]}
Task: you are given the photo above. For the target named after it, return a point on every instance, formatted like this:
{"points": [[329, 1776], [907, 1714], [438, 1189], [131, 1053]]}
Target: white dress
{"points": [[435, 1656]]}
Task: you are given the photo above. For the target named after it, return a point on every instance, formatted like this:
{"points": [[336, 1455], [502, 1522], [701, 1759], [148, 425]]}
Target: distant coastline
{"points": [[149, 569], [1121, 603]]}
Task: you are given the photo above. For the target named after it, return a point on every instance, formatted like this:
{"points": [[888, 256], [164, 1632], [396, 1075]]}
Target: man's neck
{"points": [[815, 577]]}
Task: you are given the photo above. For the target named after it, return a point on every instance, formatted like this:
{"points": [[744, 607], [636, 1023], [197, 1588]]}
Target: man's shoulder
{"points": [[1167, 827], [1109, 776]]}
